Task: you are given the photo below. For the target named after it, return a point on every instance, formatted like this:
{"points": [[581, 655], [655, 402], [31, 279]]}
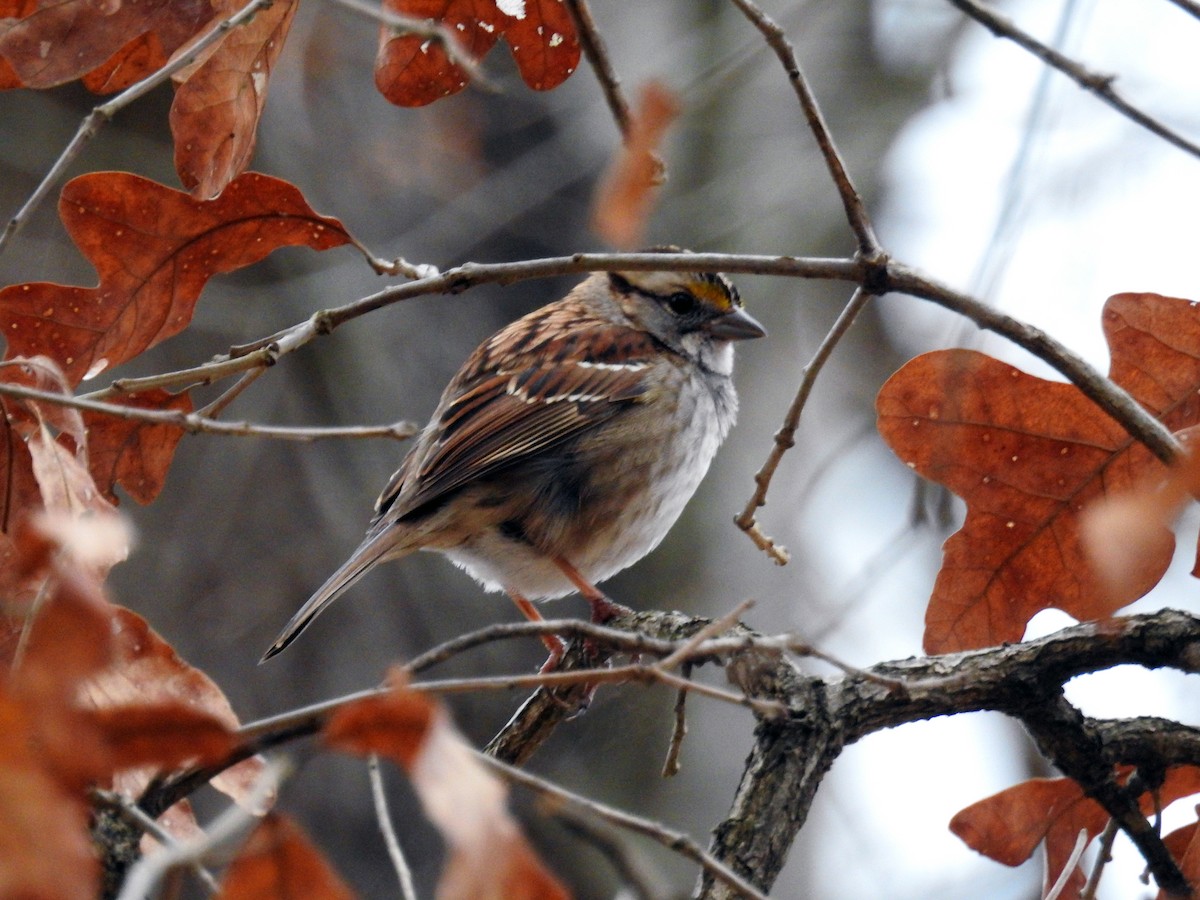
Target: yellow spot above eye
{"points": [[711, 294]]}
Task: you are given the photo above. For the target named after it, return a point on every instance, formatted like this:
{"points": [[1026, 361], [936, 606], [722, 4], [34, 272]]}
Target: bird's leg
{"points": [[556, 645], [603, 609]]}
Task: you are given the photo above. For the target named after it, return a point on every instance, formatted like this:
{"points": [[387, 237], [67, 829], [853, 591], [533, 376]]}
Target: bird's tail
{"points": [[369, 552]]}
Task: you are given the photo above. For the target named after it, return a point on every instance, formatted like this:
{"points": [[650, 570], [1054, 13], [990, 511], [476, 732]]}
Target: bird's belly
{"points": [[612, 524]]}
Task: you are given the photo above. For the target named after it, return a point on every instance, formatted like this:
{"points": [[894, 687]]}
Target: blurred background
{"points": [[979, 167]]}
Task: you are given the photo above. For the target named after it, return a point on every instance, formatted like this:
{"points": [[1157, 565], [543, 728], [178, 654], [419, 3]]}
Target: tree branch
{"points": [[856, 211], [1094, 82]]}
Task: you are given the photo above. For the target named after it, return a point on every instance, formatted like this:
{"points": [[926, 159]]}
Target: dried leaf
{"points": [[1028, 455], [543, 42], [45, 851], [138, 59], [1121, 531], [136, 455], [146, 670], [1184, 845], [414, 71], [278, 861], [214, 118], [164, 735], [1009, 826], [625, 197], [489, 858], [154, 248], [62, 40]]}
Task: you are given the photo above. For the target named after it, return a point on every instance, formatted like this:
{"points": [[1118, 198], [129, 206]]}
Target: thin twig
{"points": [[785, 437], [679, 732], [1099, 85], [1103, 858], [194, 423], [687, 649], [195, 376], [129, 811], [429, 29], [674, 840], [226, 832], [596, 53], [221, 403], [383, 817], [633, 879], [96, 119], [1064, 877], [856, 211]]}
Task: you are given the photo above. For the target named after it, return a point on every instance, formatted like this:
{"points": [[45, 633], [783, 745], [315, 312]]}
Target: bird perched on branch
{"points": [[567, 445]]}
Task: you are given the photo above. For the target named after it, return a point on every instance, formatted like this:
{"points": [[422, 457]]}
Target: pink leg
{"points": [[556, 645], [603, 609]]}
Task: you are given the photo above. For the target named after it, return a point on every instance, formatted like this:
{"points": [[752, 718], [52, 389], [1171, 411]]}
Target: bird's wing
{"points": [[494, 416]]}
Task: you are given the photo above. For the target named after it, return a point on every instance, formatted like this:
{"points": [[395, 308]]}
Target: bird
{"points": [[567, 445]]}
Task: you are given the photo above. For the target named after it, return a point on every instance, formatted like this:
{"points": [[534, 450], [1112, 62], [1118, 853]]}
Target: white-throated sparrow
{"points": [[567, 445]]}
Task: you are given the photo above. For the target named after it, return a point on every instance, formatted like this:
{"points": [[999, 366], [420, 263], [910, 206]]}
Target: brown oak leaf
{"points": [[136, 455], [488, 855], [1008, 826], [154, 248], [280, 861], [62, 40], [411, 70], [1028, 455], [543, 42], [214, 117]]}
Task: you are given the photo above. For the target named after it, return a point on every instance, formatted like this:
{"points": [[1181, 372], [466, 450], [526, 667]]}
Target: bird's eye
{"points": [[681, 303]]}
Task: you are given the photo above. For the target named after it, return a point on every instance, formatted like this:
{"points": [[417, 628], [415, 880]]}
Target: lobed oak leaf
{"points": [[1184, 845], [541, 35], [62, 40], [20, 493], [489, 858], [45, 851], [138, 59], [411, 70], [1008, 826], [625, 197], [136, 455], [1028, 455], [16, 10], [214, 117], [163, 735], [145, 670], [154, 248], [1121, 531], [279, 861]]}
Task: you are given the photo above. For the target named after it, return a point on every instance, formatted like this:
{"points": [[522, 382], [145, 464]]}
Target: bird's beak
{"points": [[738, 325]]}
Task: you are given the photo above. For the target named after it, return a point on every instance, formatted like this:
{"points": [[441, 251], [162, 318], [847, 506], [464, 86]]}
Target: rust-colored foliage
{"points": [[1009, 826], [61, 40], [214, 118], [625, 197], [44, 846], [136, 455], [1028, 455], [413, 71], [138, 59], [77, 710], [489, 858], [1184, 845], [154, 249], [164, 735], [279, 861]]}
